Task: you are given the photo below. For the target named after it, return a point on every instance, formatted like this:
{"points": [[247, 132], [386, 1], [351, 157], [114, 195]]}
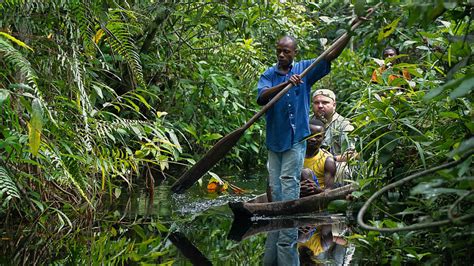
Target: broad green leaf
{"points": [[390, 224], [454, 83], [422, 47], [98, 90], [117, 192], [175, 140], [464, 88], [160, 114], [38, 204], [337, 205], [465, 146], [421, 153], [449, 115], [142, 100], [211, 136], [191, 130], [139, 230], [388, 30], [133, 104], [35, 126]]}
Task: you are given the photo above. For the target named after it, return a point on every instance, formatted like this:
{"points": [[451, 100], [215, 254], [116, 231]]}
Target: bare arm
{"points": [[329, 173]]}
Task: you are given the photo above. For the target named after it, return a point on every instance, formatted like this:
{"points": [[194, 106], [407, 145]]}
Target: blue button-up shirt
{"points": [[288, 119]]}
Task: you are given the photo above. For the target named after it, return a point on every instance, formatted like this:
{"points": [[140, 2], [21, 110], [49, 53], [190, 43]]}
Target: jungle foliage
{"points": [[96, 96]]}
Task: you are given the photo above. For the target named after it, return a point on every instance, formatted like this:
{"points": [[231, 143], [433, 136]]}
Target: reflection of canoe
{"points": [[314, 203], [243, 228]]}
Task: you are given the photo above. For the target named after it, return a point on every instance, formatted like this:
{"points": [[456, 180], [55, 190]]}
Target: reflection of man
{"points": [[315, 243], [338, 128]]}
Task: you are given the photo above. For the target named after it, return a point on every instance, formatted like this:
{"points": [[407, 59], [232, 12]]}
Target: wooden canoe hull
{"points": [[313, 203]]}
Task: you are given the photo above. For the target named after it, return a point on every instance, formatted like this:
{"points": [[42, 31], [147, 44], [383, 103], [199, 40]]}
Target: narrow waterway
{"points": [[201, 229], [152, 226]]}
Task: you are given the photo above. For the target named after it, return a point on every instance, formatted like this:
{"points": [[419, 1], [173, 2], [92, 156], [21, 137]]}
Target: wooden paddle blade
{"points": [[217, 152]]}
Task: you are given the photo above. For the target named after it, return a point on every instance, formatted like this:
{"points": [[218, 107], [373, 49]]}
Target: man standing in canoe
{"points": [[287, 124], [288, 119]]}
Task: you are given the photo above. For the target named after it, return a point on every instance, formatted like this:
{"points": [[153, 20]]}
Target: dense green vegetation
{"points": [[96, 96]]}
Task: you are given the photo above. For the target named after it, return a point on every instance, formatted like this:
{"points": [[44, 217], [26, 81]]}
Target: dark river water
{"points": [[199, 228], [155, 227]]}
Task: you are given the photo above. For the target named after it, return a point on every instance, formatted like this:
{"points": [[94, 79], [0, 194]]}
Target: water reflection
{"points": [[188, 249], [280, 248], [144, 204], [200, 229], [152, 229], [318, 240], [322, 245]]}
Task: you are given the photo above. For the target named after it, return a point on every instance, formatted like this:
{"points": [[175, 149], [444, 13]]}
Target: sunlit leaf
{"points": [[35, 126], [98, 35], [15, 40], [388, 30]]}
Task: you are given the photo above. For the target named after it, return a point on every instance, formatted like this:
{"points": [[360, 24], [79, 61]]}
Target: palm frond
{"points": [[120, 36], [13, 57], [62, 173], [19, 63], [15, 40], [84, 102], [7, 187], [83, 15], [11, 4]]}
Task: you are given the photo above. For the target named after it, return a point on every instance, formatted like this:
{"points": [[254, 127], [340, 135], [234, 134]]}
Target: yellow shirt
{"points": [[314, 244], [316, 163]]}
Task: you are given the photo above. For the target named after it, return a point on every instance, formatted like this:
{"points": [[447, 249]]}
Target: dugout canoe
{"points": [[259, 206]]}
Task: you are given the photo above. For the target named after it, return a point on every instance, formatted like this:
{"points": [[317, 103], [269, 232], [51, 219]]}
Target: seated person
{"points": [[318, 160], [389, 52], [321, 245], [312, 242], [338, 128]]}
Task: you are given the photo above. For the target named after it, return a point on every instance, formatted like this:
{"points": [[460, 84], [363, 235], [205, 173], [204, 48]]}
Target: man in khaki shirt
{"points": [[338, 128]]}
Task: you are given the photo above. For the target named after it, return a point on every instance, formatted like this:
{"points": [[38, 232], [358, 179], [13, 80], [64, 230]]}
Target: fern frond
{"points": [[116, 162], [7, 187], [13, 57], [19, 63], [66, 177], [120, 37], [15, 40], [84, 101], [83, 15], [11, 4]]}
